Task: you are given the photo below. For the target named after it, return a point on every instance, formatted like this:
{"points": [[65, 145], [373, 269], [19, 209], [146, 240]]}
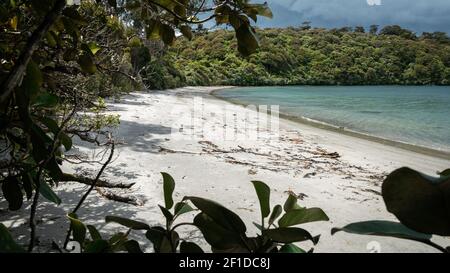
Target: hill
{"points": [[302, 56]]}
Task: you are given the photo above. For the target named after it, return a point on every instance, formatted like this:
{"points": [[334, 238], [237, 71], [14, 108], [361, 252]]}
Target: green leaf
{"points": [[182, 208], [166, 213], [51, 38], [189, 247], [263, 192], [258, 226], [48, 193], [248, 43], [186, 31], [97, 246], [161, 243], [276, 212], [33, 79], [72, 29], [169, 187], [301, 216], [156, 236], [51, 124], [445, 173], [222, 14], [93, 47], [153, 29], [66, 141], [95, 235], [87, 63], [12, 193], [167, 34], [219, 237], [132, 246], [7, 243], [384, 228], [78, 228], [221, 215], [54, 169], [135, 225], [420, 202], [291, 203], [46, 100], [289, 235], [13, 23], [291, 248], [117, 241], [259, 9]]}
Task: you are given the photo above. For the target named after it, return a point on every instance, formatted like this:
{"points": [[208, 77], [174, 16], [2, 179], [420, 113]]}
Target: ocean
{"points": [[417, 115]]}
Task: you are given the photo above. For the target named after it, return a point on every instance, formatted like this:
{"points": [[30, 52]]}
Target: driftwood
{"points": [[118, 198], [89, 181]]}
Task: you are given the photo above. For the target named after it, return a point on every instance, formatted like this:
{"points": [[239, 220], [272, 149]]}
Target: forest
{"points": [[314, 56]]}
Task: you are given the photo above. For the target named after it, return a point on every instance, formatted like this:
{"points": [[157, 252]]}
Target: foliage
{"points": [[7, 243], [419, 201], [304, 56], [58, 58], [96, 243], [224, 230]]}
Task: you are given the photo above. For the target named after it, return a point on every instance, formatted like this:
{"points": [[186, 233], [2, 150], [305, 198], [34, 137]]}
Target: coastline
{"points": [[322, 125], [340, 174]]}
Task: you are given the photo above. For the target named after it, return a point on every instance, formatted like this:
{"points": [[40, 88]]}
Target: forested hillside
{"points": [[296, 56]]}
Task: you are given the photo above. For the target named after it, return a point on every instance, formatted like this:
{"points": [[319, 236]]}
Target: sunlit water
{"points": [[412, 114]]}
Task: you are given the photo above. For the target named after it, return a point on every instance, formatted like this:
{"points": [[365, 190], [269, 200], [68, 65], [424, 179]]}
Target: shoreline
{"points": [[329, 127]]}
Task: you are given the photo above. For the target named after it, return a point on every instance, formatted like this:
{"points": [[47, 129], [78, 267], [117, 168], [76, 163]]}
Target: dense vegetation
{"points": [[59, 58], [297, 56]]}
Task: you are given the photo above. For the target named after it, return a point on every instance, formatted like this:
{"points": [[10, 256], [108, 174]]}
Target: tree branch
{"points": [[16, 74], [89, 181], [93, 185]]}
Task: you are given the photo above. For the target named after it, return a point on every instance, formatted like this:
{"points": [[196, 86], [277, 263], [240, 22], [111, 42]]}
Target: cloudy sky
{"points": [[417, 15]]}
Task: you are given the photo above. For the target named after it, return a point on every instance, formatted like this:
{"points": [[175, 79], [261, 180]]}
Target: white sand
{"points": [[347, 188]]}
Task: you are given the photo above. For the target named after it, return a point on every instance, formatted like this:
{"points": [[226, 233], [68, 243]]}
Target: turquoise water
{"points": [[416, 115]]}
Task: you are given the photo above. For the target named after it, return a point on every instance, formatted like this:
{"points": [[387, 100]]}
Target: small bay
{"points": [[417, 115]]}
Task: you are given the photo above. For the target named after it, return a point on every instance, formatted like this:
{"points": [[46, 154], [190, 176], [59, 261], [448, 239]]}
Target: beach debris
{"points": [[119, 198], [289, 155], [299, 196], [308, 175]]}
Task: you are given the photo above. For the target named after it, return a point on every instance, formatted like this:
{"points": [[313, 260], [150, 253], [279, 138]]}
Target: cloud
{"points": [[418, 15]]}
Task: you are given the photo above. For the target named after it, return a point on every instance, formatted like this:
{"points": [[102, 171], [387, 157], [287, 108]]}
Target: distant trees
{"points": [[440, 37], [398, 31], [317, 56], [306, 25], [360, 29], [374, 29]]}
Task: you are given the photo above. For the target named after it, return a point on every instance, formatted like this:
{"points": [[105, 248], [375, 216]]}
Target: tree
{"points": [[373, 29], [306, 25], [360, 29], [440, 37], [293, 56], [73, 53], [398, 31]]}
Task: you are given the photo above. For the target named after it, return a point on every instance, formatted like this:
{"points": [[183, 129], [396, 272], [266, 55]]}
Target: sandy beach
{"points": [[339, 173]]}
